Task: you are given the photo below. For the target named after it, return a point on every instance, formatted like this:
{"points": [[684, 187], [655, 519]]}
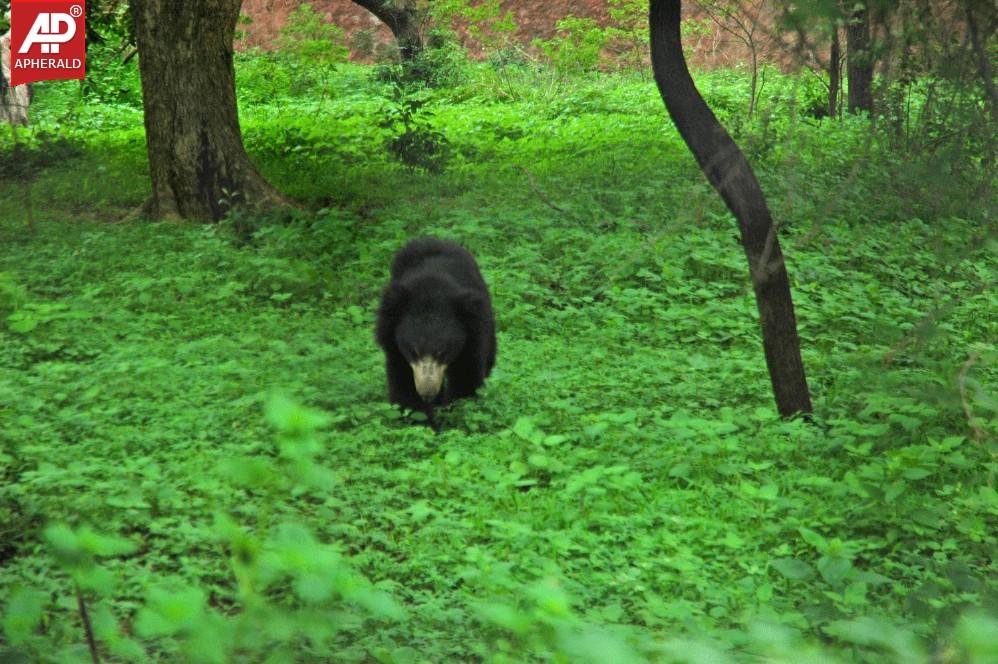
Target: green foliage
{"points": [[628, 30], [363, 43], [485, 21], [329, 599], [621, 491], [443, 62], [412, 139], [310, 50], [30, 151], [110, 78], [307, 36], [488, 31], [576, 46]]}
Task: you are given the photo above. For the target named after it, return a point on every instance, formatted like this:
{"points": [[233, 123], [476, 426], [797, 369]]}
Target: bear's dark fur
{"points": [[435, 325]]}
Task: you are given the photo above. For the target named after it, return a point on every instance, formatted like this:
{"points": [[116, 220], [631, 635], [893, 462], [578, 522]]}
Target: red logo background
{"points": [[69, 61]]}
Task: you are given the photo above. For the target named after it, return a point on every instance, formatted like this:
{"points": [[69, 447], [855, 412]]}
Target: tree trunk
{"points": [[859, 60], [402, 18], [981, 51], [197, 162], [834, 73], [728, 171], [13, 101]]}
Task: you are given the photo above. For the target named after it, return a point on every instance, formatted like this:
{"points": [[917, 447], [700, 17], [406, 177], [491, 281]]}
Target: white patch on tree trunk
{"points": [[13, 101]]}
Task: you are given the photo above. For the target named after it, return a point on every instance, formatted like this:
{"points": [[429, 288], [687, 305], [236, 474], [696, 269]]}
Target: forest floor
{"points": [[210, 397]]}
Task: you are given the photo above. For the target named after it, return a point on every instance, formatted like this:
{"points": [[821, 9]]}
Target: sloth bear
{"points": [[435, 325]]}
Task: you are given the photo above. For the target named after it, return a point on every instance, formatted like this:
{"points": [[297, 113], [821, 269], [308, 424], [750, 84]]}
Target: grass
{"points": [[210, 398]]}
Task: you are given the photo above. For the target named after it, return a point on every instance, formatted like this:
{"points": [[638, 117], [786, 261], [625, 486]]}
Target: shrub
{"points": [[576, 47]]}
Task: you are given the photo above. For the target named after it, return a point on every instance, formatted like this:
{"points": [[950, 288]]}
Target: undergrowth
{"points": [[197, 456]]}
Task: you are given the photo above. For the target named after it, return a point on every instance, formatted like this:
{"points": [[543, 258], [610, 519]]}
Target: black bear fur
{"points": [[436, 305]]}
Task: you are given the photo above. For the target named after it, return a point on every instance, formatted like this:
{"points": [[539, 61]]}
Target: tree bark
{"points": [[13, 101], [728, 171], [402, 18], [834, 73], [197, 162], [983, 61], [859, 60]]}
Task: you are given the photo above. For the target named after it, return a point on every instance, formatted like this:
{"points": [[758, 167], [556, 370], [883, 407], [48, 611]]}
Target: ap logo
{"points": [[47, 40], [50, 30]]}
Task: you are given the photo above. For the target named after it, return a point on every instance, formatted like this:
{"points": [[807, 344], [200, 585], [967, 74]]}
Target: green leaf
{"points": [[813, 538], [732, 540], [855, 594], [894, 490], [792, 568], [22, 614], [834, 569], [22, 322], [104, 545], [916, 473], [769, 492], [250, 471], [291, 418], [539, 460], [880, 633], [524, 428], [170, 611], [504, 617], [62, 538], [977, 634], [96, 579], [869, 578], [379, 604], [681, 470]]}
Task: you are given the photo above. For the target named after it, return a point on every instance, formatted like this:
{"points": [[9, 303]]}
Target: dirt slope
{"points": [[711, 46]]}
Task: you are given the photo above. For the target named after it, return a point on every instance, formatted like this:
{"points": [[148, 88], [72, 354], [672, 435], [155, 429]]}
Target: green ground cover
{"points": [[201, 409]]}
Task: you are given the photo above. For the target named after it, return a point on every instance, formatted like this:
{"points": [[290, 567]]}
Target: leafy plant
{"points": [[486, 21], [487, 27], [576, 47], [628, 31], [413, 140], [307, 36], [311, 47], [443, 62]]}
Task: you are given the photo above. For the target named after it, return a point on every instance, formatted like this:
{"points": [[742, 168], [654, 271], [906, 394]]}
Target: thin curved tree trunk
{"points": [[728, 171], [197, 162], [402, 18]]}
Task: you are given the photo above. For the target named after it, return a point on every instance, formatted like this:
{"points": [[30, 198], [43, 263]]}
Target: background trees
{"points": [[860, 59], [403, 18]]}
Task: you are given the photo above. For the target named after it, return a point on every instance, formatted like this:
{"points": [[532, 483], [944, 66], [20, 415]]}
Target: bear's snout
{"points": [[428, 374]]}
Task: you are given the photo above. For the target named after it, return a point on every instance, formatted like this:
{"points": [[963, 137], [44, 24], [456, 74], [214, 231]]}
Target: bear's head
{"points": [[435, 318]]}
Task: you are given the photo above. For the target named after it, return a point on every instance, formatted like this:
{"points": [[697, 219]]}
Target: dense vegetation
{"points": [[197, 454]]}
